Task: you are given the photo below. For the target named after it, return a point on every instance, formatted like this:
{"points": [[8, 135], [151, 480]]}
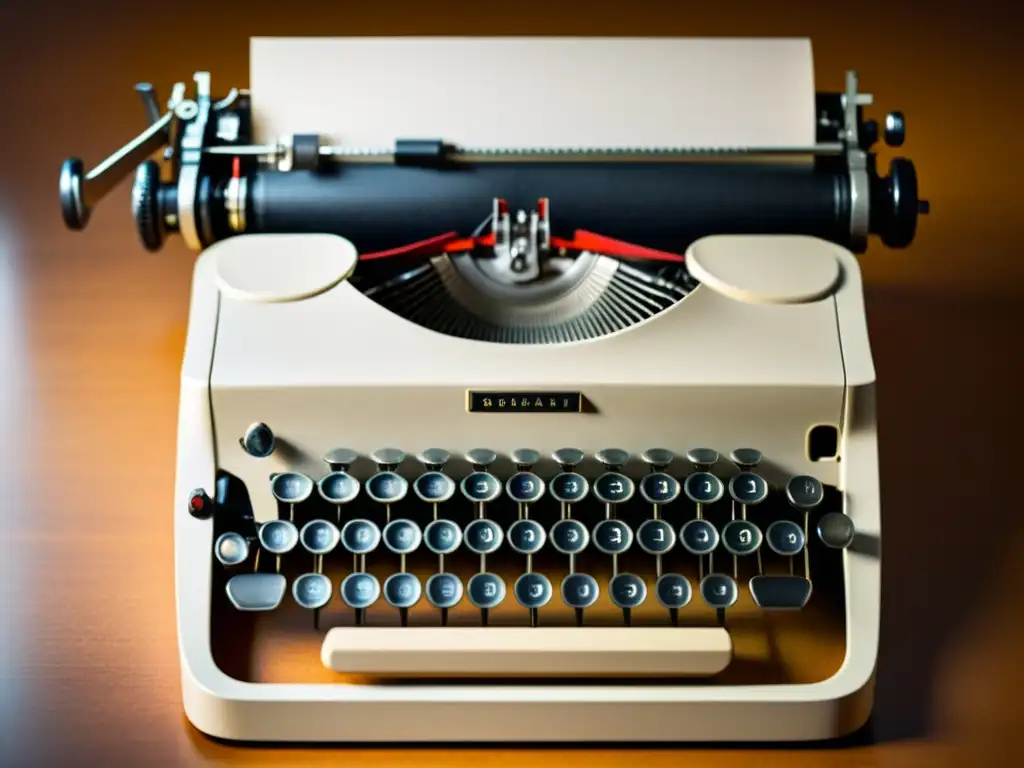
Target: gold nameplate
{"points": [[524, 402]]}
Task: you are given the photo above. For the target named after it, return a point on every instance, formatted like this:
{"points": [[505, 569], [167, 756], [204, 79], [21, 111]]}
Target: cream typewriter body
{"points": [[547, 433]]}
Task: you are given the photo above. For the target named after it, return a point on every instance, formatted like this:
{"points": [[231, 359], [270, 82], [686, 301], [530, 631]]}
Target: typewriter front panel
{"points": [[615, 500]]}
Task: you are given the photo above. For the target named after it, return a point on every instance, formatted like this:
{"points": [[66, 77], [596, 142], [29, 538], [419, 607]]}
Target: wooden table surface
{"points": [[92, 328]]}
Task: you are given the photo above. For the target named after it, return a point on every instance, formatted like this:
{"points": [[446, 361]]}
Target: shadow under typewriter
{"points": [[743, 644]]}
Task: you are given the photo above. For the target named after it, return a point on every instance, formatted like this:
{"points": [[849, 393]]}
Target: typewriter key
{"points": [[748, 488], [612, 537], [444, 590], [613, 488], [702, 458], [434, 458], [805, 492], [338, 488], [434, 487], [524, 488], [656, 537], [481, 458], [699, 537], [360, 536], [291, 487], [718, 590], [402, 536], [627, 591], [570, 537], [580, 590], [387, 487], [524, 458], [442, 537], [612, 458], [741, 537], [258, 441], [278, 537], [568, 458], [256, 591], [746, 458], [673, 591], [402, 590], [231, 549], [312, 591], [481, 487], [485, 590], [527, 537], [359, 590], [659, 488], [569, 487], [387, 459], [319, 537], [483, 536], [340, 459], [785, 538], [533, 590], [703, 488], [836, 530], [657, 458]]}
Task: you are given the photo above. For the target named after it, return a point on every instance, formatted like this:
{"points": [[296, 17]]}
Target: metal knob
{"points": [[895, 129]]}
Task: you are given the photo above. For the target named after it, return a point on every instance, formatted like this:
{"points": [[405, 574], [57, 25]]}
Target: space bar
{"points": [[527, 652]]}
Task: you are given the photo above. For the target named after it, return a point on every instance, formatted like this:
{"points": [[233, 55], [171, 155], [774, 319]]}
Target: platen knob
{"points": [[894, 214], [149, 221]]}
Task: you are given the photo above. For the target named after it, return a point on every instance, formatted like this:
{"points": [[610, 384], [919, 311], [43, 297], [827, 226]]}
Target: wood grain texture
{"points": [[91, 334]]}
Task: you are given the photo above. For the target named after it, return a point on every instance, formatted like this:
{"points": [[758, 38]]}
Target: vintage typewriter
{"points": [[550, 429]]}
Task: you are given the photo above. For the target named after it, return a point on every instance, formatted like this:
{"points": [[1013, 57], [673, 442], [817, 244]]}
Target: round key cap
{"points": [[836, 530], [341, 458], [612, 458], [433, 458], [569, 487], [485, 590], [319, 537], [746, 458], [338, 487], [567, 458], [748, 488], [442, 537], [570, 537], [434, 487], [481, 457], [658, 458], [258, 440], [673, 591], [231, 549], [359, 590], [387, 487], [580, 590], [656, 537], [702, 457], [291, 487], [402, 590], [387, 457], [526, 537], [481, 487], [278, 537], [444, 590], [741, 537], [627, 590], [613, 488], [699, 537], [524, 488], [613, 537], [719, 590], [659, 488], [312, 591], [533, 590], [805, 492], [785, 537], [703, 488], [524, 458], [483, 536], [402, 536], [360, 536]]}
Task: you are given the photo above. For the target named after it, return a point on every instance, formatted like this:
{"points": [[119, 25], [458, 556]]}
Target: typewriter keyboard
{"points": [[545, 573]]}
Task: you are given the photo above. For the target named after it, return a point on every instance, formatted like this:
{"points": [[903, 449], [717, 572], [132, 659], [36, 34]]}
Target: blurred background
{"points": [[92, 328]]}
